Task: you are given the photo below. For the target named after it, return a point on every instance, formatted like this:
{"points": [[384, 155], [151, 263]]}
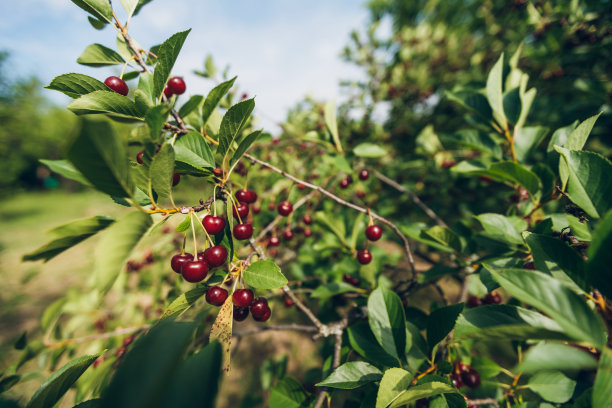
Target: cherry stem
{"points": [[206, 233]]}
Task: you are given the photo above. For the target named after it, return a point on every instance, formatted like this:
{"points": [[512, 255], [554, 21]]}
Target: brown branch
{"points": [[285, 327], [322, 392], [98, 336], [278, 218], [484, 401]]}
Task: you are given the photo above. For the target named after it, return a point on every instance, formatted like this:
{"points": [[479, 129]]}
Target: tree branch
{"points": [[285, 327]]}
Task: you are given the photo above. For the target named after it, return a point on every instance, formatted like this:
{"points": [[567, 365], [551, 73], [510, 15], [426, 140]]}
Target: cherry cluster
{"points": [[492, 298], [464, 375], [373, 233], [244, 301], [243, 230], [285, 208], [175, 86]]}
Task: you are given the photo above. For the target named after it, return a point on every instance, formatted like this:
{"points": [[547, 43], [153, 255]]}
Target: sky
{"points": [[280, 50]]}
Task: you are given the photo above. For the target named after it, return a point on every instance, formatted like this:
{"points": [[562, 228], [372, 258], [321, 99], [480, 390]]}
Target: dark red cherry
{"points": [[344, 183], [492, 298], [167, 92], [373, 232], [240, 313], [271, 206], [364, 256], [178, 260], [215, 256], [176, 178], [307, 232], [307, 219], [364, 175], [274, 241], [213, 225], [456, 380], [256, 209], [243, 297], [246, 196], [243, 231], [259, 307], [216, 295], [242, 210], [471, 378], [288, 302], [288, 235], [194, 271], [139, 157], [177, 85], [285, 208], [117, 84], [263, 317], [474, 301]]}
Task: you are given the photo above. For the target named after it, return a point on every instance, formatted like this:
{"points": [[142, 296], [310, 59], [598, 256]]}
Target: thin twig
{"points": [[282, 327], [484, 401], [99, 336], [278, 218]]}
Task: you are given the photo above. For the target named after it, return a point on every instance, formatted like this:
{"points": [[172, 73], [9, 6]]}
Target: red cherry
{"points": [[243, 297], [177, 85], [265, 316], [139, 157], [215, 255], [471, 378], [456, 380], [213, 225], [240, 313], [364, 175], [117, 84], [216, 295], [274, 241], [344, 183], [167, 92], [246, 196], [288, 235], [256, 209], [176, 178], [307, 232], [301, 186], [373, 232], [492, 298], [244, 96], [474, 301], [243, 231], [307, 220], [194, 271], [218, 172], [259, 307], [242, 210], [351, 280], [271, 206], [285, 208], [178, 260], [288, 302], [447, 164], [364, 256], [529, 265]]}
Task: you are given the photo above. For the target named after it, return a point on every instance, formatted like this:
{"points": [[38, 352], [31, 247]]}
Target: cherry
{"points": [[471, 378], [301, 186], [351, 280], [213, 225], [285, 208], [271, 206], [492, 298], [447, 164], [274, 241], [177, 85], [215, 255], [361, 194], [167, 92], [218, 172], [364, 175], [256, 209], [243, 231], [259, 308], [246, 196], [288, 302], [117, 84], [216, 295], [474, 301], [288, 235], [307, 219], [242, 210], [240, 313], [307, 232], [364, 256], [529, 265], [139, 157], [244, 96], [178, 260], [344, 183], [176, 178], [243, 297], [194, 271], [373, 232], [456, 380], [265, 316]]}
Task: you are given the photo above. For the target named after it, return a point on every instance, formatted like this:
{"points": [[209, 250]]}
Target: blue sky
{"points": [[281, 50]]}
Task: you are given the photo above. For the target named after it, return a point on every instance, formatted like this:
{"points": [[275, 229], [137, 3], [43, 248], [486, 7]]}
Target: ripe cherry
{"points": [[240, 313], [373, 232], [243, 297], [218, 172], [194, 271], [471, 378], [167, 92], [307, 219], [271, 206], [344, 183], [456, 380], [288, 302], [447, 164], [246, 196], [177, 85], [259, 307], [176, 178], [178, 260], [492, 298], [243, 231], [242, 210], [256, 209], [215, 256], [474, 301], [265, 316], [117, 84], [285, 208], [288, 235], [139, 157], [307, 232], [364, 256], [301, 186], [364, 175], [216, 295], [351, 280], [214, 225], [274, 241]]}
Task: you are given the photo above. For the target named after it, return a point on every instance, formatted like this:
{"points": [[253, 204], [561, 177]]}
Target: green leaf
{"points": [[602, 389], [394, 382], [107, 102], [444, 236], [264, 275], [97, 55], [502, 228], [244, 146], [6, 383], [527, 139], [553, 386], [193, 151], [474, 101], [166, 57], [369, 150], [232, 124], [555, 356], [332, 124], [352, 375], [335, 225], [362, 340], [495, 93], [474, 139], [191, 105], [577, 139], [327, 290], [387, 321], [129, 6], [184, 225], [527, 97], [52, 390], [69, 235], [515, 173], [214, 97], [425, 390], [599, 265], [95, 23], [66, 169], [287, 393], [100, 155], [161, 171], [155, 119], [100, 9], [75, 85], [563, 305], [589, 185], [440, 323], [115, 247], [184, 302]]}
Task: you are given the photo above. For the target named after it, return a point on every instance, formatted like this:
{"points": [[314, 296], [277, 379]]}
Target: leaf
{"points": [[191, 105], [75, 85], [556, 300], [425, 390], [599, 265], [602, 389], [474, 101], [577, 139], [287, 393], [155, 119], [444, 236], [474, 139], [221, 331], [589, 184], [554, 356], [66, 169], [440, 323], [192, 150], [516, 173], [129, 6], [352, 375], [495, 93], [332, 124], [387, 321], [115, 247], [214, 97], [526, 139], [327, 290], [166, 57], [161, 171], [107, 102], [502, 228], [264, 275], [52, 390], [244, 146], [6, 383], [100, 155], [184, 302], [232, 124], [69, 235], [362, 340], [100, 9], [97, 55], [369, 150], [335, 225], [552, 386], [527, 98], [394, 382]]}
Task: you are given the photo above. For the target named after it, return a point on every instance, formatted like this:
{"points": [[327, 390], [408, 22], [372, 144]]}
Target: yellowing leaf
{"points": [[222, 331]]}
